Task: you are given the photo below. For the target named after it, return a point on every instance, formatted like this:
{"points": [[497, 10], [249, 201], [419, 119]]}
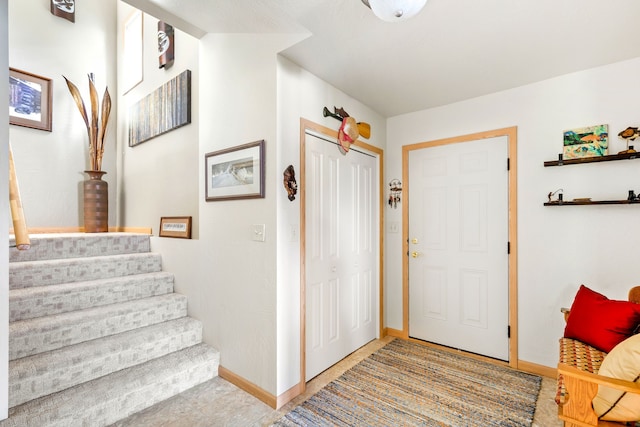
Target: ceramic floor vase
{"points": [[96, 203]]}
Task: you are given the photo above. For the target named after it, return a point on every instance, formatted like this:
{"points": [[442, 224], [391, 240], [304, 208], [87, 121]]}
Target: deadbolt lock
{"points": [[414, 240]]}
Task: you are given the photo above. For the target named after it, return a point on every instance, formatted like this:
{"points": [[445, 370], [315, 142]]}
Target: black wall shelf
{"points": [[593, 202], [595, 159]]}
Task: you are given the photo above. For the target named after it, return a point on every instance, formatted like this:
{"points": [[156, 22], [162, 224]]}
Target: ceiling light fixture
{"points": [[395, 10]]}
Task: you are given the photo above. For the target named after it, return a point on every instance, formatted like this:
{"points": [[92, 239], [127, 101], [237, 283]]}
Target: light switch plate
{"points": [[258, 232]]}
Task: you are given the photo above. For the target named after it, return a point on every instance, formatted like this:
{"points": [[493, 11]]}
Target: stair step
{"points": [[33, 336], [75, 245], [54, 272], [96, 332], [45, 373], [108, 399], [32, 302]]}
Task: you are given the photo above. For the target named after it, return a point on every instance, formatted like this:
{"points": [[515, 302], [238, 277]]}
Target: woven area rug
{"points": [[408, 384]]}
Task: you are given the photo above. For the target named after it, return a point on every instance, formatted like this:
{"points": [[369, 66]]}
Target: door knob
{"points": [[415, 254]]}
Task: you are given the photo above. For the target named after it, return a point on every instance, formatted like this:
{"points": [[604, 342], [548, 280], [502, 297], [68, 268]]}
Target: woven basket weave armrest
{"points": [[578, 355]]}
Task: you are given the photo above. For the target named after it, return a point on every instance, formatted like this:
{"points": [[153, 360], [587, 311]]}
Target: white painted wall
{"points": [[160, 176], [230, 279], [50, 165], [236, 275], [4, 220], [301, 94], [559, 248]]}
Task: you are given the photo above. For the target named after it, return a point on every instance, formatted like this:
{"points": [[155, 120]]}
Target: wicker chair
{"points": [[578, 379]]}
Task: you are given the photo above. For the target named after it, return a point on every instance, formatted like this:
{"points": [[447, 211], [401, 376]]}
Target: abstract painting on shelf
{"points": [[586, 142]]}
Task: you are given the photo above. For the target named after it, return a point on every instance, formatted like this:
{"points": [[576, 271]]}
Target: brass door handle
{"points": [[415, 254]]}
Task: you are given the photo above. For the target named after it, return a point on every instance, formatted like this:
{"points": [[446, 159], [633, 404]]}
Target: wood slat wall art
{"points": [[165, 109]]}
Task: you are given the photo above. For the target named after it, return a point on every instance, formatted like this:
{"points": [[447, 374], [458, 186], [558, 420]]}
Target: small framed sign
{"points": [[175, 226]]}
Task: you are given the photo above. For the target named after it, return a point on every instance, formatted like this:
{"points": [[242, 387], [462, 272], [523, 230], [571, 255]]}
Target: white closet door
{"points": [[341, 257]]}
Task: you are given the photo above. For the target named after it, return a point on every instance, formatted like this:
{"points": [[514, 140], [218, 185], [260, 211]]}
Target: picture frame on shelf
{"points": [[591, 141], [175, 226], [235, 173], [29, 100]]}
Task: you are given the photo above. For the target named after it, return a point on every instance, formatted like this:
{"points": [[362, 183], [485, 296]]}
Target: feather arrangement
{"points": [[96, 123]]}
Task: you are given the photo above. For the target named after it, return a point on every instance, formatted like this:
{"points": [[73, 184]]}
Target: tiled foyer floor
{"points": [[220, 403]]}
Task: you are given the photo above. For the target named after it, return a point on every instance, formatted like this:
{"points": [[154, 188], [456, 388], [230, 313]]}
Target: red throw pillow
{"points": [[600, 322]]}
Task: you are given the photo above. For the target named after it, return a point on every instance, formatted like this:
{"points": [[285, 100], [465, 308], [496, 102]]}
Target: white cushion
{"points": [[622, 362]]}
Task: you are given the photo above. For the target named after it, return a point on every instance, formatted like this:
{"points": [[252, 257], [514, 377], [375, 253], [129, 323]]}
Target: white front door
{"points": [[458, 237], [341, 253]]}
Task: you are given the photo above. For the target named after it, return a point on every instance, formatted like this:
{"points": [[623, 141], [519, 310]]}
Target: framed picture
{"points": [[163, 110], [29, 100], [235, 173], [586, 142], [175, 226], [132, 51]]}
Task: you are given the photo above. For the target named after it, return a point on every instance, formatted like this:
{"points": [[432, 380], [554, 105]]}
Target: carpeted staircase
{"points": [[96, 332]]}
